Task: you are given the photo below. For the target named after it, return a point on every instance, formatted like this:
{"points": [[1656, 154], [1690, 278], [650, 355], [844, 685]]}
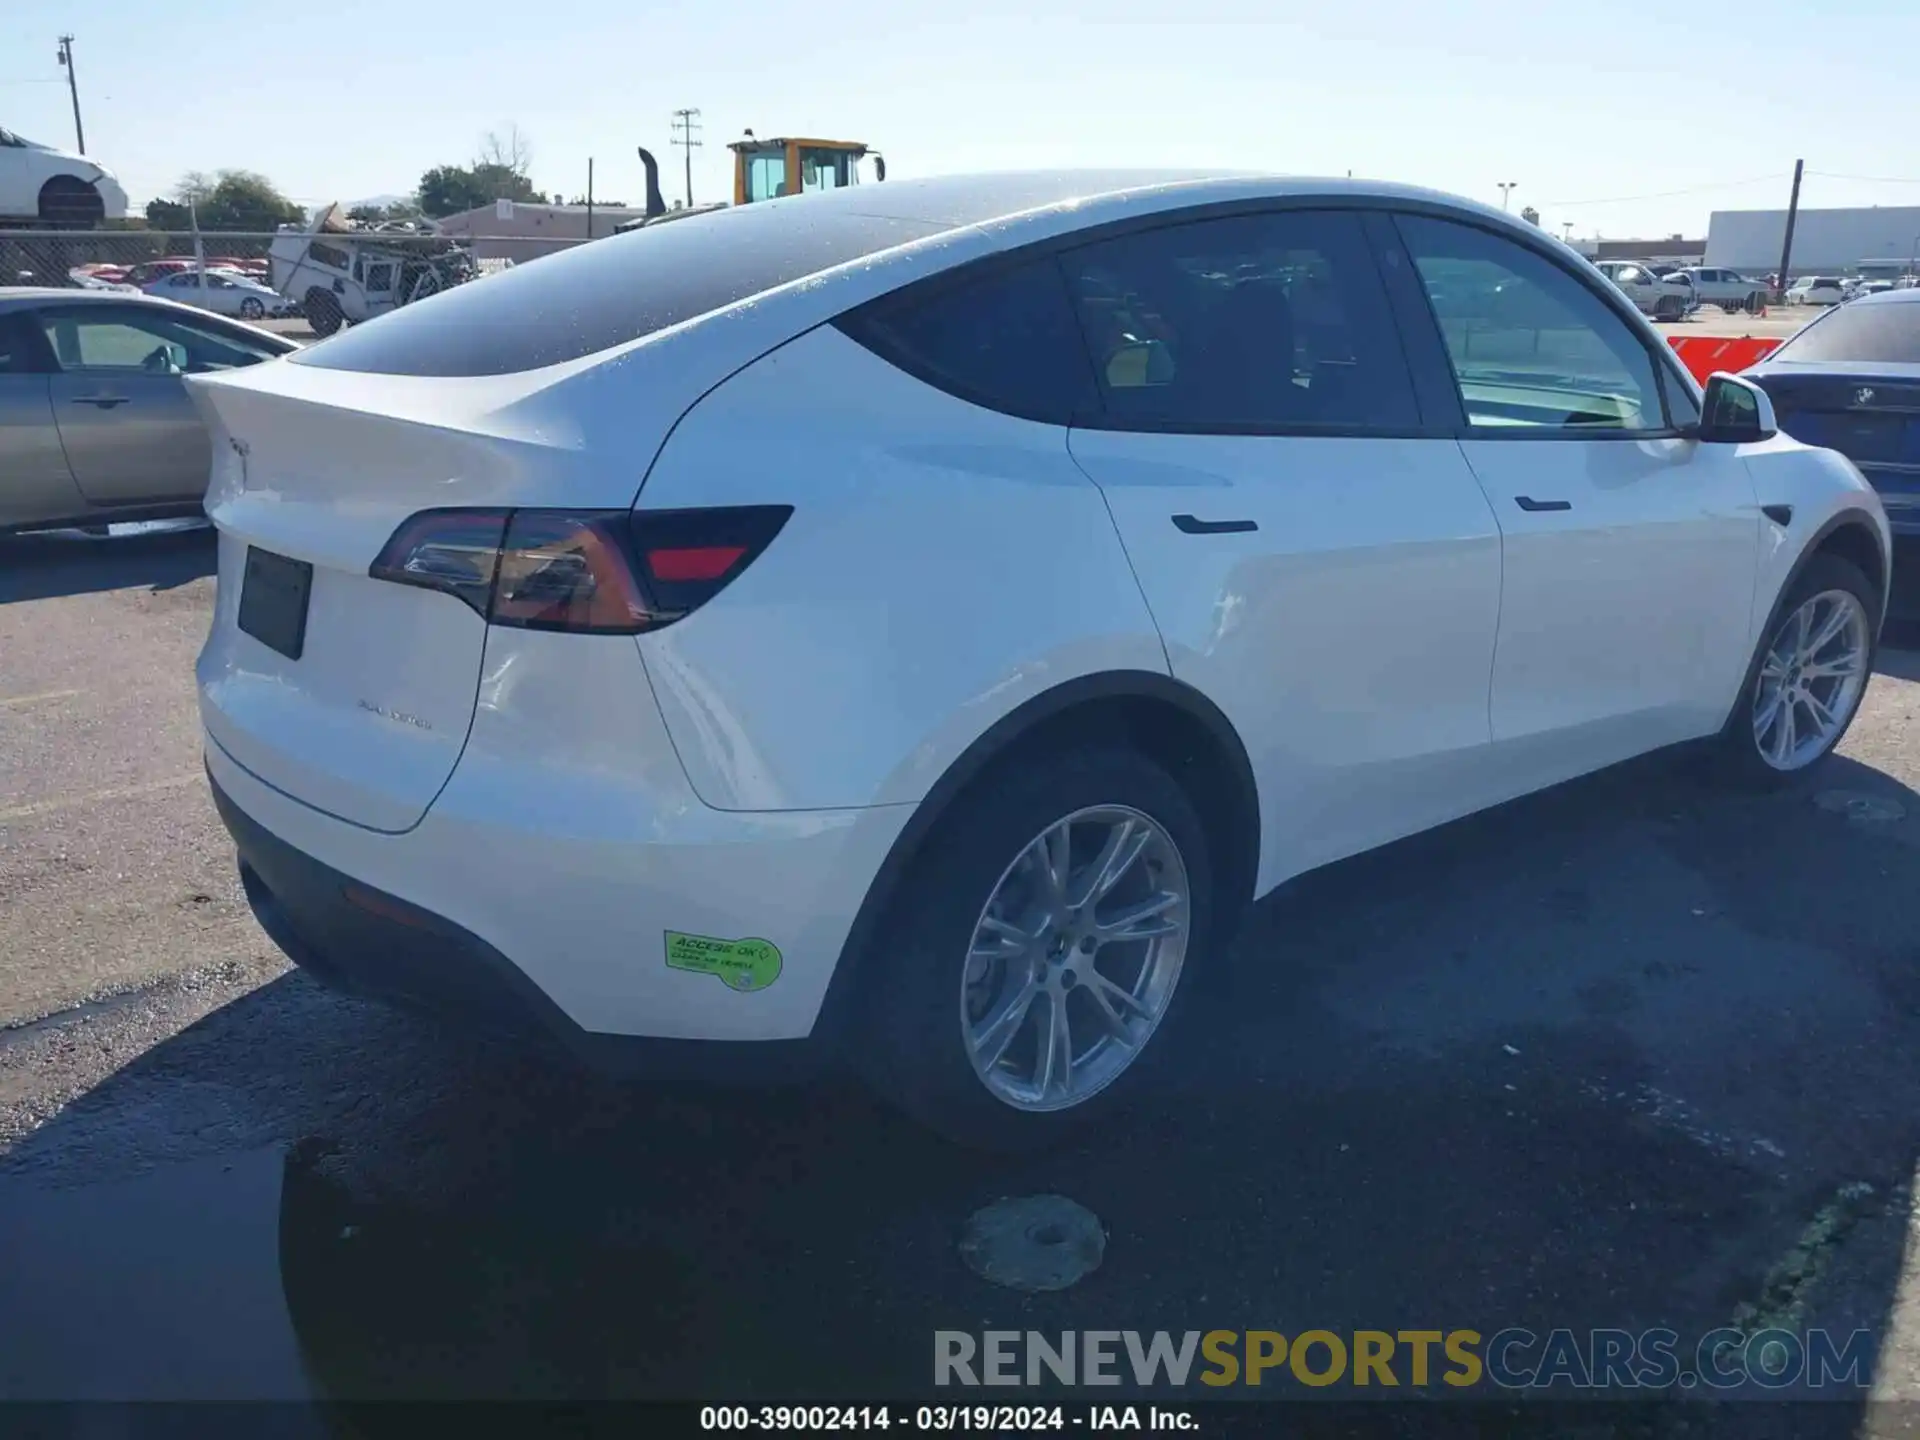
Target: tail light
{"points": [[594, 572]]}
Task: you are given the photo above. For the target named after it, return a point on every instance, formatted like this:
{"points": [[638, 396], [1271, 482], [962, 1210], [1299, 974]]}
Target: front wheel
{"points": [[251, 309], [1039, 949], [1805, 685]]}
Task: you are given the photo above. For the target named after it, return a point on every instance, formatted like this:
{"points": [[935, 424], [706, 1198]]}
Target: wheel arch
{"points": [[1173, 723], [1850, 535], [56, 187]]}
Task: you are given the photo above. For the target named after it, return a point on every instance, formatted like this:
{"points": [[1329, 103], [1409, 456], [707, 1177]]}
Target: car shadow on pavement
{"points": [[1634, 1053], [49, 564]]}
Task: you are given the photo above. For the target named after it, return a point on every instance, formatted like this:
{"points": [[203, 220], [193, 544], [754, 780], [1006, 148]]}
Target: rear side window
{"points": [[1255, 323], [608, 292], [1006, 340], [1886, 332]]}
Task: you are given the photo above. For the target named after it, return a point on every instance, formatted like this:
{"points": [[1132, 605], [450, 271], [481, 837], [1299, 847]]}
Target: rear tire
{"points": [[323, 312], [947, 959], [1812, 691]]}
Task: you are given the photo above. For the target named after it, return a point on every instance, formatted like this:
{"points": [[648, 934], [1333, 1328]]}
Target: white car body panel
{"points": [[225, 293], [1348, 639], [1624, 620], [955, 563], [571, 846], [1821, 486], [25, 168]]}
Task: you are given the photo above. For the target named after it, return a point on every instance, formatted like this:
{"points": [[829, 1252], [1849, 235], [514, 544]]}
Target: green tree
{"points": [[498, 172], [168, 215], [231, 200], [450, 189]]}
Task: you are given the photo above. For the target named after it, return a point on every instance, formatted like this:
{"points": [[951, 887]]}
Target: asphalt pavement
{"points": [[1636, 1052]]}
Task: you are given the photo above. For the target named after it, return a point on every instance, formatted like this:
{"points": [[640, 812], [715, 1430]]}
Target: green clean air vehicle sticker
{"points": [[744, 965]]}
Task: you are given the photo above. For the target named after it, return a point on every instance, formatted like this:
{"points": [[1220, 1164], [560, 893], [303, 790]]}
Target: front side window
{"points": [[766, 174], [154, 344], [1530, 345], [1007, 340], [16, 348], [1259, 322], [824, 169], [328, 255]]}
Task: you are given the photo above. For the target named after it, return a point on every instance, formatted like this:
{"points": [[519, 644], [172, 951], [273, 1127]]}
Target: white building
{"points": [[521, 232], [1824, 241]]}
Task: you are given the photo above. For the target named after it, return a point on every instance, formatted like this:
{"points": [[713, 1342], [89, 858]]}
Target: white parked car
{"points": [[917, 636], [1661, 298], [1817, 290], [225, 292], [41, 184], [1729, 289]]}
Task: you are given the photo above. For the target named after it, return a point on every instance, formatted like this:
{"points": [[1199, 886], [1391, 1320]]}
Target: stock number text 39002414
{"points": [[938, 1419]]}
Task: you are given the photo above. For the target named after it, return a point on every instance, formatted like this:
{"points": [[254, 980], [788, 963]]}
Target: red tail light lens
{"points": [[596, 572]]}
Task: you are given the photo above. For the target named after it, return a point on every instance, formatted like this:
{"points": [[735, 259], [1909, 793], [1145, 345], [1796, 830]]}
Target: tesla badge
{"points": [[1863, 396]]}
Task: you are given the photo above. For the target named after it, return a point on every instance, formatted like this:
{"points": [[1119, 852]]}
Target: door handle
{"points": [[1527, 502], [1193, 525], [104, 402]]}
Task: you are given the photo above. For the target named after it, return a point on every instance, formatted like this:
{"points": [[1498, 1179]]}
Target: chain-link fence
{"points": [[345, 276]]}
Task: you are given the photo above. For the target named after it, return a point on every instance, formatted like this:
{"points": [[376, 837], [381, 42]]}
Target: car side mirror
{"points": [[1735, 412]]}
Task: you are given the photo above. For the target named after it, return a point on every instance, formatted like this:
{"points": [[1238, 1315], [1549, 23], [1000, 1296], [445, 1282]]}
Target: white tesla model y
{"points": [[914, 621]]}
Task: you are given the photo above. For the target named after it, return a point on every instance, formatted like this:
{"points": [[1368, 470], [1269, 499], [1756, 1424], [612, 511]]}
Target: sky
{"points": [[1627, 120]]}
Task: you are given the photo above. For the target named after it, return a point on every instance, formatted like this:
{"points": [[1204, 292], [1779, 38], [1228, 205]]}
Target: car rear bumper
{"points": [[508, 917]]}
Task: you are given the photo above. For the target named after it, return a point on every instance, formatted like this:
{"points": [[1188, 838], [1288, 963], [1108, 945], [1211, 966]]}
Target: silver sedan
{"points": [[95, 424]]}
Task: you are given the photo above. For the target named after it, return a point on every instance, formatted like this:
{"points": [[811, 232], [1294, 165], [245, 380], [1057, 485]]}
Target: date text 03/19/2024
{"points": [[946, 1419]]}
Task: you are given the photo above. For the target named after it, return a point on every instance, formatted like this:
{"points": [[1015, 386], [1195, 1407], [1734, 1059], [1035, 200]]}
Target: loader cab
{"points": [[767, 169]]}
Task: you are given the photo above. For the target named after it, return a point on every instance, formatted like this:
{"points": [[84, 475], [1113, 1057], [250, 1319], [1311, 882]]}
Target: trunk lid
{"points": [[1870, 415], [365, 715]]}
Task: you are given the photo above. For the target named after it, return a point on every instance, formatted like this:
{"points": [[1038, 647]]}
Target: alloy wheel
{"points": [[1075, 957], [1811, 680]]}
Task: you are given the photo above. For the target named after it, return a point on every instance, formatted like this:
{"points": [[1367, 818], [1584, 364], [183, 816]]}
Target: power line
{"points": [[1865, 179], [1664, 194], [686, 134]]}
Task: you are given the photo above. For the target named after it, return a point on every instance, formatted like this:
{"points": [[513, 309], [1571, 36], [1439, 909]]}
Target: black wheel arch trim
{"points": [[1849, 518], [1857, 519], [837, 1007]]}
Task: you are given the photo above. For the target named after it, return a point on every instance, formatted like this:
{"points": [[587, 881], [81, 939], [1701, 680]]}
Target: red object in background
{"points": [[1704, 354]]}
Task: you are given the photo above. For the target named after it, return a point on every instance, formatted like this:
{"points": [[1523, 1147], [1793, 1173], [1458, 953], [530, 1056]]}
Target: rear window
{"points": [[1008, 341], [1888, 331], [609, 292]]}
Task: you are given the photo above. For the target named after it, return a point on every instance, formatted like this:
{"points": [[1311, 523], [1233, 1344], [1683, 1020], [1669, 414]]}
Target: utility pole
{"points": [[686, 134], [1566, 231], [589, 197], [1507, 187], [73, 89], [1793, 213]]}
